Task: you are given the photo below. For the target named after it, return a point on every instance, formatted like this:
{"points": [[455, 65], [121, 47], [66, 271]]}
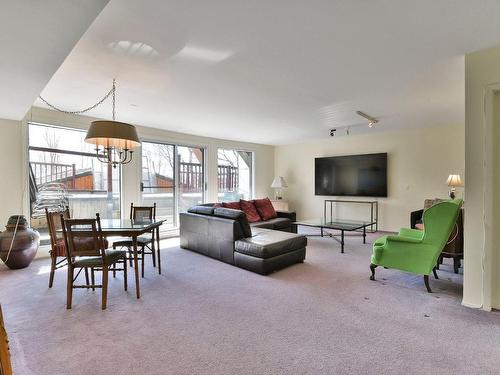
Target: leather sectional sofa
{"points": [[225, 234]]}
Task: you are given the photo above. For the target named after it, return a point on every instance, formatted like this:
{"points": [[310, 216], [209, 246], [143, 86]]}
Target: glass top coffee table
{"points": [[341, 225]]}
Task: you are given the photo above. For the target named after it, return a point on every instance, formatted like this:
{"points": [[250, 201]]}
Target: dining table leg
{"points": [[136, 266], [158, 248]]}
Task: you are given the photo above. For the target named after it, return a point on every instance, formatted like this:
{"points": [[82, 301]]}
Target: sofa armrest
{"points": [[415, 217], [413, 233], [292, 215], [391, 238]]}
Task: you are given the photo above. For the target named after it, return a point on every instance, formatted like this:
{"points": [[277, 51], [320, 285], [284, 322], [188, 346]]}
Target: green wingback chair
{"points": [[414, 250]]}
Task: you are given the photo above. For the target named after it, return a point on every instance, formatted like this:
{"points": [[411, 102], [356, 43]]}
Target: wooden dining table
{"points": [[133, 229]]}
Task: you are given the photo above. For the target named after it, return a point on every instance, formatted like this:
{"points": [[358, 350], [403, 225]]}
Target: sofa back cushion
{"points": [[248, 207], [236, 215], [232, 205], [265, 209], [201, 210]]}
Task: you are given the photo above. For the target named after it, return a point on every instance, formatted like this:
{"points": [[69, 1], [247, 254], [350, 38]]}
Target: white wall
{"points": [[11, 167], [495, 219], [419, 161], [482, 258]]}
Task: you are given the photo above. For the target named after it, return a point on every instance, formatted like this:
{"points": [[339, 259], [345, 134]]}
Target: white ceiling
{"points": [[277, 71], [36, 37]]}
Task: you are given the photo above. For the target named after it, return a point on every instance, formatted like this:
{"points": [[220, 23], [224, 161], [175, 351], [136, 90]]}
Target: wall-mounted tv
{"points": [[353, 175]]}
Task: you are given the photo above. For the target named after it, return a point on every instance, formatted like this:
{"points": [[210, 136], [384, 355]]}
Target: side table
{"points": [[280, 204]]}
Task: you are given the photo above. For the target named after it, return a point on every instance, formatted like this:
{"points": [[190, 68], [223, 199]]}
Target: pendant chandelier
{"points": [[114, 141]]}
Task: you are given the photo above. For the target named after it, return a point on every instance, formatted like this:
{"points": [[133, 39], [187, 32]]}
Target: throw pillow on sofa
{"points": [[232, 205], [248, 207], [265, 209]]}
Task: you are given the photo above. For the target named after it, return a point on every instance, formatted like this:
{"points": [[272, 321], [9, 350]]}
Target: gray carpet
{"points": [[206, 317]]}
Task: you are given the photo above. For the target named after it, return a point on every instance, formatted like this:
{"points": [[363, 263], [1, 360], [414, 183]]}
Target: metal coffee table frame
{"points": [[341, 225], [373, 210]]}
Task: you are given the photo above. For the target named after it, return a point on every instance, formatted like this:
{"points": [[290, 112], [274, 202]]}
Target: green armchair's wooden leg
{"points": [[426, 281], [372, 268], [435, 273]]}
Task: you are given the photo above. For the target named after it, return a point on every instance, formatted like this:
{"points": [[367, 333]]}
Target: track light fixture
{"points": [[371, 120]]}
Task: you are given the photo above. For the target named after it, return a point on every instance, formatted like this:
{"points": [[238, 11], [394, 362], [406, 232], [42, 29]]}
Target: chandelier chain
{"points": [[114, 97], [111, 92]]}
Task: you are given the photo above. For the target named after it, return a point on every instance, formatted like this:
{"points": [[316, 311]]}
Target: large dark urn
{"points": [[24, 246]]}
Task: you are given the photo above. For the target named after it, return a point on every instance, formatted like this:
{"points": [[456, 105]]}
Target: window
{"points": [[234, 175], [173, 178], [64, 171], [191, 177]]}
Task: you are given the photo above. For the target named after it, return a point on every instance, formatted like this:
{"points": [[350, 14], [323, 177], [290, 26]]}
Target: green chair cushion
{"points": [[112, 256]]}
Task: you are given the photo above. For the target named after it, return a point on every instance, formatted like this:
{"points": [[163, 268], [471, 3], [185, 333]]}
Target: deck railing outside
{"points": [[190, 176], [54, 172], [227, 178]]}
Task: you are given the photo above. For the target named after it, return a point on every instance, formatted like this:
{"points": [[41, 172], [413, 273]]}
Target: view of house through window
{"points": [[63, 171], [173, 178], [234, 172]]}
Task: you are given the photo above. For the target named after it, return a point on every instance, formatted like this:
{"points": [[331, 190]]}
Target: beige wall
{"points": [[482, 79], [419, 161], [495, 256], [11, 166]]}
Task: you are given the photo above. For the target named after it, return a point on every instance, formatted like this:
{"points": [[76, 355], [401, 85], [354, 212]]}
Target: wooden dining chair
{"points": [[86, 248], [58, 247], [145, 243], [5, 364]]}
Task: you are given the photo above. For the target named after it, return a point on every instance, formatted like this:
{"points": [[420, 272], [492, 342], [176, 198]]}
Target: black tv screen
{"points": [[354, 175]]}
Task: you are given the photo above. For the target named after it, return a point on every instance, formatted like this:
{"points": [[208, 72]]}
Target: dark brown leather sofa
{"points": [[225, 234], [283, 222]]}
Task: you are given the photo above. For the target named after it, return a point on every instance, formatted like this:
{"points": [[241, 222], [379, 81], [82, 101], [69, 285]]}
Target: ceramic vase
{"points": [[18, 243]]}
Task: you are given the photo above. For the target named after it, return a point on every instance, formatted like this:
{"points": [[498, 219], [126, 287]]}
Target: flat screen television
{"points": [[353, 175]]}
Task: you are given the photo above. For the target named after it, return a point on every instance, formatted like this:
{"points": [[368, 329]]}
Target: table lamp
{"points": [[453, 182], [278, 184]]}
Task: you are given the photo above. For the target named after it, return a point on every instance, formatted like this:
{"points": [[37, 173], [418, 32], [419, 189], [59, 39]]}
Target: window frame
{"points": [[66, 152], [252, 168], [175, 172]]}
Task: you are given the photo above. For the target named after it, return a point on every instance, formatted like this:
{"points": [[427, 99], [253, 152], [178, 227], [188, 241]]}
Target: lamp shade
{"points": [[454, 180], [113, 134], [279, 183]]}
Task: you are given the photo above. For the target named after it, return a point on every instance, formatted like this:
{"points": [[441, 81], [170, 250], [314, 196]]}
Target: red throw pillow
{"points": [[217, 205], [265, 209], [248, 207], [233, 205]]}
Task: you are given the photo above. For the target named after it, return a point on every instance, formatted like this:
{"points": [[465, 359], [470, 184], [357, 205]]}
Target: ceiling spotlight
{"points": [[371, 120]]}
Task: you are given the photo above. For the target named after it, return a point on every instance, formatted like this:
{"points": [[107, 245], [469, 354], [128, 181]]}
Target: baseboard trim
{"points": [[474, 306]]}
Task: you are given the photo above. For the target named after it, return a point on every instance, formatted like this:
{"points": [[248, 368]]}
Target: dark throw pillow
{"points": [[248, 207], [265, 209], [232, 205]]}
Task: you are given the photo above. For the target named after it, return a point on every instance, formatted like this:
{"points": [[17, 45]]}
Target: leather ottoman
{"points": [[269, 250]]}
